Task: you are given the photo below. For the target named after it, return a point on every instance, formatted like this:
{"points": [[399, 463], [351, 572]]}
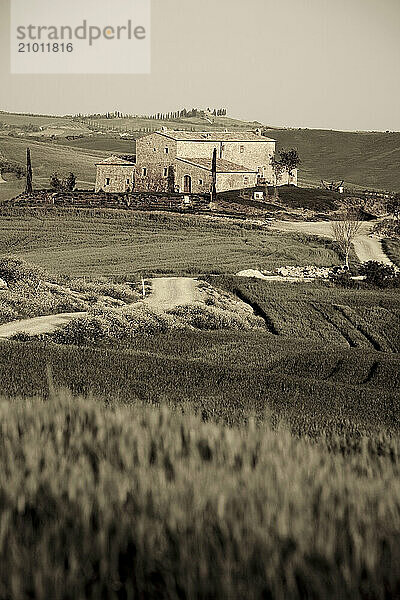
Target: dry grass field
{"points": [[123, 244]]}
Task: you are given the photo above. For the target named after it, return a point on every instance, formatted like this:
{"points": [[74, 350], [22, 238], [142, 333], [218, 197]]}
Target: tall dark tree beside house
{"points": [[29, 186], [214, 176], [171, 179], [290, 160], [55, 183], [70, 182], [277, 169]]}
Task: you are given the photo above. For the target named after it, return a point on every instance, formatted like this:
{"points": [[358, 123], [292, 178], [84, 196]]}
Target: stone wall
{"points": [[132, 201], [114, 178]]}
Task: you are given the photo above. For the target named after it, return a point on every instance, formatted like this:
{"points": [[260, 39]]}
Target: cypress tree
{"points": [[29, 187], [171, 179], [214, 176]]}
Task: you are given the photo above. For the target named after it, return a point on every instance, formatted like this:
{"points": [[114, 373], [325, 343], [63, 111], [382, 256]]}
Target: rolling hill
{"points": [[363, 159], [47, 158]]}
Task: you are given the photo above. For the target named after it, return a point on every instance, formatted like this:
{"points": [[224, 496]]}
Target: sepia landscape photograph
{"points": [[199, 300]]}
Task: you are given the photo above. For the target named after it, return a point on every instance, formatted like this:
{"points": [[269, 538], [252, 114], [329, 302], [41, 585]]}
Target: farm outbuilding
{"points": [[115, 174]]}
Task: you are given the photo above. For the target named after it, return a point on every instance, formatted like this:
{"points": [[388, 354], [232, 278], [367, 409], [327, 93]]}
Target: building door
{"points": [[187, 184]]}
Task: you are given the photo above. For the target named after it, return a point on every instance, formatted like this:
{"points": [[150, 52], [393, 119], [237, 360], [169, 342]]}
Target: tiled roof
{"points": [[116, 160], [223, 166], [214, 136]]}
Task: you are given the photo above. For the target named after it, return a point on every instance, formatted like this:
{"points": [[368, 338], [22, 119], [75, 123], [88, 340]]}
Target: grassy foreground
{"points": [[228, 376], [116, 243], [134, 502]]}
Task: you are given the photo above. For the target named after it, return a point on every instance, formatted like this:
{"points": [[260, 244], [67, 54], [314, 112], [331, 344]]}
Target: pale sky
{"points": [[330, 64]]}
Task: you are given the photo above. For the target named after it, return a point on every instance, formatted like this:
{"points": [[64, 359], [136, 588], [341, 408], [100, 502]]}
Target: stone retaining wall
{"points": [[133, 201]]}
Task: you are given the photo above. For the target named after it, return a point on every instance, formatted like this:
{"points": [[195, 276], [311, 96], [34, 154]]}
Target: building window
{"points": [[144, 171], [166, 150], [200, 182], [154, 149], [245, 180], [128, 181], [107, 181], [165, 171], [241, 149]]}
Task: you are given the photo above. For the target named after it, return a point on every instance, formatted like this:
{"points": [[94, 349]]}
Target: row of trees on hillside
{"points": [[160, 116], [191, 113]]}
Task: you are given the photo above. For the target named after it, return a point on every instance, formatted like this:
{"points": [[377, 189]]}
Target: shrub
{"points": [[14, 269], [103, 325], [21, 336], [142, 320], [380, 274], [104, 287], [343, 277], [82, 330], [7, 166], [70, 182], [7, 312], [388, 228], [202, 316], [56, 183]]}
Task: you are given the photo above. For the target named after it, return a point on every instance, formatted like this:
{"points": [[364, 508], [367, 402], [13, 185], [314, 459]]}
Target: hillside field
{"points": [[320, 312], [362, 159], [187, 461], [124, 244], [48, 158], [216, 463]]}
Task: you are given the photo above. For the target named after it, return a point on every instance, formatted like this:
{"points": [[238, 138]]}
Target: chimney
{"points": [[258, 131]]}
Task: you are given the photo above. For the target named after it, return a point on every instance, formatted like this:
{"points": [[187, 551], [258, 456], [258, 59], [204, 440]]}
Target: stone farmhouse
{"points": [[181, 161]]}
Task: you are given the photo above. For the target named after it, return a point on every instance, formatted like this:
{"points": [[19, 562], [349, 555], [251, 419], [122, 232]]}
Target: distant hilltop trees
{"points": [[178, 114], [185, 113]]}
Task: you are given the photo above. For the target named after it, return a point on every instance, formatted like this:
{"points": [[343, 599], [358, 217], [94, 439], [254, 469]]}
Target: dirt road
{"points": [[366, 247], [168, 292], [37, 325]]}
